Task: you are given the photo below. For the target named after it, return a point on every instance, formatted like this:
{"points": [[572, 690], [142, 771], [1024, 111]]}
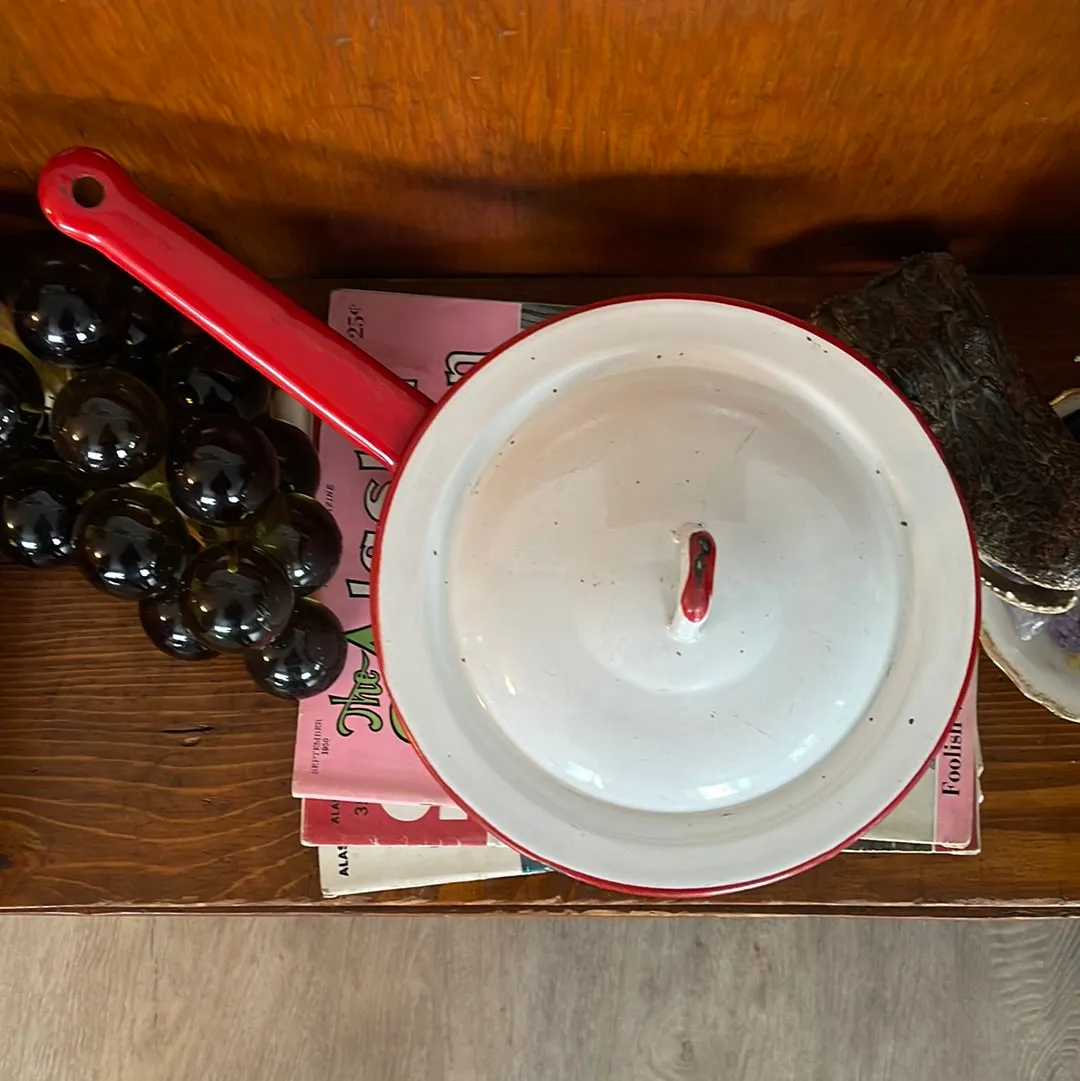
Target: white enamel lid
{"points": [[535, 548]]}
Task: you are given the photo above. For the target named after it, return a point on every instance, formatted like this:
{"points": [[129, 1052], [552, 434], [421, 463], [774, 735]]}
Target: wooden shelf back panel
{"points": [[313, 137]]}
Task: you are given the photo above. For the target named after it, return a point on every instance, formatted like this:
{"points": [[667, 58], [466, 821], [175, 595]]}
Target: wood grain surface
{"points": [[131, 781], [316, 137], [305, 999]]}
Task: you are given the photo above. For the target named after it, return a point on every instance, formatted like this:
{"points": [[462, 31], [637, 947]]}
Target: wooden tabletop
{"points": [[131, 782]]}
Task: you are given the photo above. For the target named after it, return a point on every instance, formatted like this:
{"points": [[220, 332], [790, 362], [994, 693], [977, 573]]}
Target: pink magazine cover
{"points": [[339, 822], [955, 776], [349, 742], [941, 812]]}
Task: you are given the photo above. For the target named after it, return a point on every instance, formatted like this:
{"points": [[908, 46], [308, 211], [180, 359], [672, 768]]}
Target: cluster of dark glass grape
{"points": [[159, 472]]}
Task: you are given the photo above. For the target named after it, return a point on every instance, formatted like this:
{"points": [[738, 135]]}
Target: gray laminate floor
{"points": [[374, 999]]}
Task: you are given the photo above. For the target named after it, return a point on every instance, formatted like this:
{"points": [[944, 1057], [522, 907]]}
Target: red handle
{"points": [[88, 196], [697, 591]]}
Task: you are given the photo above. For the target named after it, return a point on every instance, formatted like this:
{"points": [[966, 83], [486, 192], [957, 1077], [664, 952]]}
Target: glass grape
{"points": [[222, 471], [306, 658], [168, 628], [297, 458], [39, 503], [301, 536], [131, 543], [235, 597], [108, 426], [22, 404], [204, 379], [70, 308]]}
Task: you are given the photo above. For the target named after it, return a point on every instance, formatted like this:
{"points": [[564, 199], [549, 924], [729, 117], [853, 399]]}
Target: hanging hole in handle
{"points": [[87, 191]]}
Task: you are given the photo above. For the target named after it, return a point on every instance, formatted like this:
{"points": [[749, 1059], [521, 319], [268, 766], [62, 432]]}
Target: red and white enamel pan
{"points": [[674, 593]]}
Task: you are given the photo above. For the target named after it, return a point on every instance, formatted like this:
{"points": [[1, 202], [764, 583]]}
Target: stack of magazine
{"points": [[376, 815]]}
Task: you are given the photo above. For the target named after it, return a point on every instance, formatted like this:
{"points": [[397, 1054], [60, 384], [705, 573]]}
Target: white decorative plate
{"points": [[1044, 673], [1041, 671], [529, 569]]}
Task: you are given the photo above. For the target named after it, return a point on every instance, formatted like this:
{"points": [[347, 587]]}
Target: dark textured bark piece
{"points": [[927, 329]]}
